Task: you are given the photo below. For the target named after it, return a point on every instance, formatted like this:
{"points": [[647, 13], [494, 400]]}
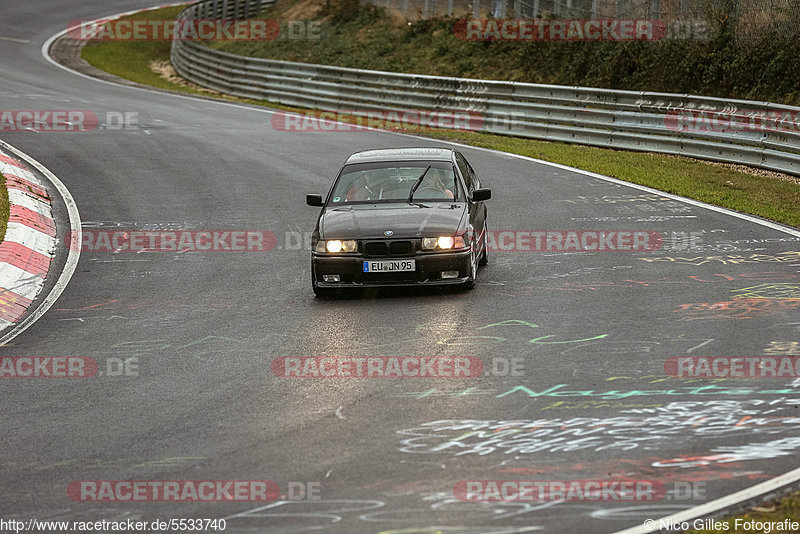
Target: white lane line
{"points": [[13, 40], [719, 504], [73, 253]]}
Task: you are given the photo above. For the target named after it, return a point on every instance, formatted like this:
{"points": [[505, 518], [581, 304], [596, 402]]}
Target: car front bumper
{"points": [[428, 270]]}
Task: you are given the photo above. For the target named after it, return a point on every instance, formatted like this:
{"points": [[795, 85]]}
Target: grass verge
{"points": [[768, 195], [735, 56]]}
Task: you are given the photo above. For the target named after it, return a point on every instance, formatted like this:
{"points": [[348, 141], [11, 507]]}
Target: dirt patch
{"points": [[303, 10], [165, 70]]}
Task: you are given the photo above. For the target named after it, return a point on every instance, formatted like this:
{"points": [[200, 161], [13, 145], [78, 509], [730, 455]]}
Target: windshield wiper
{"points": [[416, 185]]}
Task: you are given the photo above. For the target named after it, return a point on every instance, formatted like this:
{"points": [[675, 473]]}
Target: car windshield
{"points": [[392, 182]]}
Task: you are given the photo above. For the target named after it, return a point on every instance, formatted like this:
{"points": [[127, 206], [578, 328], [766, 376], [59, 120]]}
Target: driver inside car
{"points": [[434, 181], [368, 187]]}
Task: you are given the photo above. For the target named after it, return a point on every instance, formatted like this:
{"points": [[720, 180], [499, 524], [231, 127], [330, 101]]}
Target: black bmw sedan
{"points": [[400, 217]]}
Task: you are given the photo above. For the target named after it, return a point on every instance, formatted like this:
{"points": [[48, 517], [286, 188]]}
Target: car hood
{"points": [[370, 221]]}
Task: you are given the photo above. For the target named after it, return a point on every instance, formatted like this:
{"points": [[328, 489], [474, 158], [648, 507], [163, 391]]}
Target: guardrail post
{"points": [[476, 8], [535, 9]]}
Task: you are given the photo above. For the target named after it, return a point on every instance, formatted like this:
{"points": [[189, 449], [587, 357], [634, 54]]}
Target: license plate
{"points": [[389, 266]]}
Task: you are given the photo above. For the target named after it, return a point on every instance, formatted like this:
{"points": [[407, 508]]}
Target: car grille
{"points": [[400, 247], [374, 249]]}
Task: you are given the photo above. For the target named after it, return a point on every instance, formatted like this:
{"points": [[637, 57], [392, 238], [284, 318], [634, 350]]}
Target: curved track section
{"points": [[185, 341]]}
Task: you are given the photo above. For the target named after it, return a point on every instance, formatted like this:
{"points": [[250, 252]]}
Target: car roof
{"points": [[402, 154]]}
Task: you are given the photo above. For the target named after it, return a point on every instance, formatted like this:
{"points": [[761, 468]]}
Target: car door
{"points": [[477, 210]]}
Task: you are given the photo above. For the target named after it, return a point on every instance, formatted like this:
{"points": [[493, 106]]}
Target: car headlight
{"points": [[334, 246], [445, 242]]}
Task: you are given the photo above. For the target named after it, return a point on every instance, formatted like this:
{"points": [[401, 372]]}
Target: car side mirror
{"points": [[481, 194], [314, 200]]}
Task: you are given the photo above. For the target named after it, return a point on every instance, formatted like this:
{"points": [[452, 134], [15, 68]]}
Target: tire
{"points": [[473, 272], [485, 255], [324, 292], [320, 292]]}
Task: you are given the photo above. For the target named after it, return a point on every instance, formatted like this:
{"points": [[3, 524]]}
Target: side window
{"points": [[466, 171], [476, 183]]}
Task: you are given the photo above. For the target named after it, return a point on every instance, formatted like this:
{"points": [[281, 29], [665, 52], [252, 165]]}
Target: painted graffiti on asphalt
{"points": [[558, 391], [731, 259], [740, 308], [634, 429]]}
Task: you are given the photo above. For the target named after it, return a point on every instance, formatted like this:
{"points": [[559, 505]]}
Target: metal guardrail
{"points": [[630, 120]]}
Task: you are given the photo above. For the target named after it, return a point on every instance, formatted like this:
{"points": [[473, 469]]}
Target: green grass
{"points": [[760, 67], [130, 59], [4, 207], [767, 197]]}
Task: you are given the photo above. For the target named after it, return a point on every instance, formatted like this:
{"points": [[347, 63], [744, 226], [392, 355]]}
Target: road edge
{"points": [[73, 253], [718, 506]]}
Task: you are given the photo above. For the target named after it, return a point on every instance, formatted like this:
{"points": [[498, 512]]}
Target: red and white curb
{"points": [[30, 242]]}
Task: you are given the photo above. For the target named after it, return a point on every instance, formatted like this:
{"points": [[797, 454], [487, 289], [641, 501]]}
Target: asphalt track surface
{"points": [[203, 329]]}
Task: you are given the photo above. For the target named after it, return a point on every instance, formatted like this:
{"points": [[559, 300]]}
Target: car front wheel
{"points": [[473, 270], [485, 254], [321, 292]]}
